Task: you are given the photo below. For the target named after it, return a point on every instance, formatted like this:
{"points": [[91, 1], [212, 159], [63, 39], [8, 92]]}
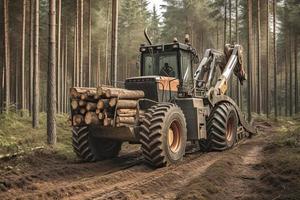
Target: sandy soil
{"points": [[233, 174]]}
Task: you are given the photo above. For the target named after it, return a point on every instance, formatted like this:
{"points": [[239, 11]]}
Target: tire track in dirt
{"points": [[44, 180], [156, 182]]}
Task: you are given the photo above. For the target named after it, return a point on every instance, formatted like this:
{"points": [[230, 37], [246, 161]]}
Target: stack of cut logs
{"points": [[105, 106]]}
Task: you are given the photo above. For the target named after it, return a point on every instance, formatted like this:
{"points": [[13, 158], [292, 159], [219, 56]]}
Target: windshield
{"points": [[162, 64]]}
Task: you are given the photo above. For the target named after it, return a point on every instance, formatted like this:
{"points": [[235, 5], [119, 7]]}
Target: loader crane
{"points": [[163, 108]]}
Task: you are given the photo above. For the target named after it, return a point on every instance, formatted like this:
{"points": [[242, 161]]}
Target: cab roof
{"points": [[166, 47]]}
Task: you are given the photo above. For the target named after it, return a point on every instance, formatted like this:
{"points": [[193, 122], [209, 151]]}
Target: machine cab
{"points": [[168, 60], [163, 68]]}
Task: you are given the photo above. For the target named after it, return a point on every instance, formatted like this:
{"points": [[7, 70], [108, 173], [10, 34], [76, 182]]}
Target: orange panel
{"points": [[167, 83]]}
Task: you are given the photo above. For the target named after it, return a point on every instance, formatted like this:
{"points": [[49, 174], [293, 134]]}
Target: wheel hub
{"points": [[229, 128], [174, 137]]}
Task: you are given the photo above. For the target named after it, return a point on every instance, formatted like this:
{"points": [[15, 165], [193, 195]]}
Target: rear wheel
{"points": [[89, 148], [163, 135], [221, 128]]}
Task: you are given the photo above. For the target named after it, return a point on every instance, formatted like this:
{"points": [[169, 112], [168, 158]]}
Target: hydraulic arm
{"points": [[228, 62]]}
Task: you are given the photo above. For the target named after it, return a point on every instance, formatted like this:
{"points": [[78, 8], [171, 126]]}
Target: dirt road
{"points": [[227, 175]]}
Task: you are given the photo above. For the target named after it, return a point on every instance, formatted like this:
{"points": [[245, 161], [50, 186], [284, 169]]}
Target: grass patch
{"points": [[17, 134]]}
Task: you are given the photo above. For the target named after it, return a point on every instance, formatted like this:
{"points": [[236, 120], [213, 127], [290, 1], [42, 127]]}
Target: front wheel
{"points": [[163, 135]]}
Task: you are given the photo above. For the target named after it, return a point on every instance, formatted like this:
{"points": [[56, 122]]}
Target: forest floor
{"points": [[267, 166]]}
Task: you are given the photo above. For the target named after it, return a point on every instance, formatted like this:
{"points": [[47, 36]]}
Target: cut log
{"points": [[107, 121], [74, 104], [82, 103], [76, 92], [77, 120], [128, 104], [91, 118], [113, 102], [101, 116], [91, 106], [126, 120], [131, 94], [82, 111], [102, 103], [84, 96], [130, 111]]}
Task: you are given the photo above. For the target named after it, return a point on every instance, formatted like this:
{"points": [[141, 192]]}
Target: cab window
{"points": [[162, 64], [186, 66]]}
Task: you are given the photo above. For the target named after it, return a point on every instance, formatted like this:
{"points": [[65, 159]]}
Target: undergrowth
{"points": [[17, 134]]}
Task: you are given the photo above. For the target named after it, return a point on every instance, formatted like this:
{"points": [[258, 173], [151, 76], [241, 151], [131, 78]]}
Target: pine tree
{"points": [[51, 95], [36, 70]]}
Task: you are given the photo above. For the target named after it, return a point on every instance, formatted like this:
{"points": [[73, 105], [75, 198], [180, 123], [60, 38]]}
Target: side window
{"points": [[148, 66], [186, 67]]}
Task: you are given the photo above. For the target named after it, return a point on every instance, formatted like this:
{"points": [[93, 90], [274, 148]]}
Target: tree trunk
{"points": [[36, 70], [90, 46], [6, 55], [275, 59], [286, 72], [250, 53], [225, 22], [238, 86], [31, 59], [268, 59], [23, 58], [296, 74], [230, 22], [106, 75], [291, 74], [75, 83], [114, 42], [51, 95], [65, 99], [58, 67], [98, 69], [81, 43], [258, 60]]}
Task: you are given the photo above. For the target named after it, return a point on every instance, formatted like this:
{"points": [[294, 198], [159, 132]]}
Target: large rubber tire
{"points": [[89, 148], [163, 135], [221, 128]]}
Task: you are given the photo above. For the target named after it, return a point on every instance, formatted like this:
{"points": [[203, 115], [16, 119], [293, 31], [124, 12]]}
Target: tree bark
{"points": [[65, 99], [23, 58], [51, 95], [81, 43], [58, 67], [275, 59], [36, 70], [250, 53], [225, 23], [31, 59], [267, 66], [6, 55], [238, 86], [75, 83], [258, 60], [106, 75], [296, 74], [90, 46], [291, 74], [114, 42]]}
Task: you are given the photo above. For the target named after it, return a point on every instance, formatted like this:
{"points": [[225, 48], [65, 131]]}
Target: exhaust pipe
{"points": [[147, 36]]}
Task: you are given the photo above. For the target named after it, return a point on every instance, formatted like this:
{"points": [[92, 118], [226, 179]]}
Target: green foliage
{"points": [[16, 134]]}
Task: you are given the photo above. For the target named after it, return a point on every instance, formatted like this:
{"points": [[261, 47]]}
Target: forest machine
{"points": [[166, 106]]}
